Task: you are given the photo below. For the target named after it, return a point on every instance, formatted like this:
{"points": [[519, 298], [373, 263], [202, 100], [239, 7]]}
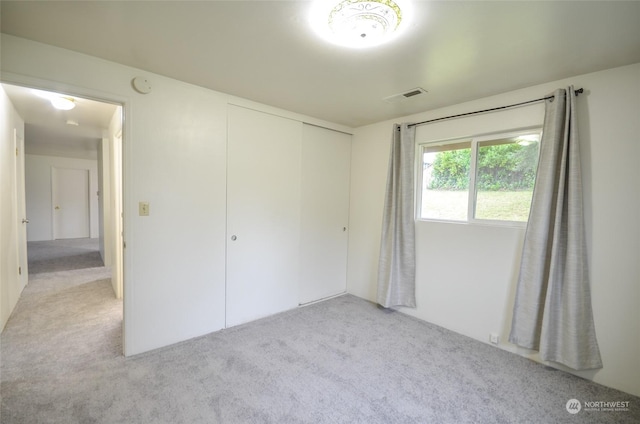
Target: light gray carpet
{"points": [[339, 361], [61, 255]]}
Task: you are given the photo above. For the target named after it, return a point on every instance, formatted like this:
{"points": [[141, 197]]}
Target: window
{"points": [[479, 179]]}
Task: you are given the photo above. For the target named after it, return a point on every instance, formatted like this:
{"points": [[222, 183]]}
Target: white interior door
{"points": [[263, 214], [21, 211], [70, 192], [326, 162]]}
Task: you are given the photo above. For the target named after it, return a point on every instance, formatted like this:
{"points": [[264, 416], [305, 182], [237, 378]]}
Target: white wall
{"points": [[10, 285], [38, 193], [175, 159], [466, 273]]}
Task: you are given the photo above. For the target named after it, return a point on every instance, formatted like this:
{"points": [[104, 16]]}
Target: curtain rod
{"points": [[578, 91]]}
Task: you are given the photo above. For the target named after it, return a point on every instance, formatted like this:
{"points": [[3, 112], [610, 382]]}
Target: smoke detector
{"points": [[406, 95]]}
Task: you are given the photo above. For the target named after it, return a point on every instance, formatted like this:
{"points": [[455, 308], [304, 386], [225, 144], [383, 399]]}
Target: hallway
{"points": [[66, 320]]}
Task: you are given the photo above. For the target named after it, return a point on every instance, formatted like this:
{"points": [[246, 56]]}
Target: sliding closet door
{"points": [[326, 158], [263, 214]]}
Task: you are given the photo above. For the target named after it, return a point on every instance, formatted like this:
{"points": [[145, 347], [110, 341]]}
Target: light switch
{"points": [[143, 208]]}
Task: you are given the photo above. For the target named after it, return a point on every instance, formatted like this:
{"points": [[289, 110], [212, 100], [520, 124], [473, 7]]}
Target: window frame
{"points": [[472, 192]]}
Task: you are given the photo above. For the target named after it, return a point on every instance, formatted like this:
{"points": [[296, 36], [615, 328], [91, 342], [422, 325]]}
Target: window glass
{"points": [[445, 181], [487, 178], [505, 176]]}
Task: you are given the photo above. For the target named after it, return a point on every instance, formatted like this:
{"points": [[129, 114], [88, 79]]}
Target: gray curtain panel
{"points": [[552, 311], [397, 265]]}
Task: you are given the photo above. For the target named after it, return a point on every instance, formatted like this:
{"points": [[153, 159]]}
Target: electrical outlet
{"points": [[494, 338], [143, 208]]}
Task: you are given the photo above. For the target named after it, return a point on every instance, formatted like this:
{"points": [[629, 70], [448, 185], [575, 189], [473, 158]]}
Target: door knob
{"points": [[57, 207], [234, 238], [25, 221]]}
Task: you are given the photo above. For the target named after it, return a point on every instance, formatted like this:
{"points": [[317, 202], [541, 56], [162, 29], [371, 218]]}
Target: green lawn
{"points": [[498, 205]]}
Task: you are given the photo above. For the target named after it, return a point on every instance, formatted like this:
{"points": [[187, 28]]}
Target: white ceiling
{"points": [[265, 51]]}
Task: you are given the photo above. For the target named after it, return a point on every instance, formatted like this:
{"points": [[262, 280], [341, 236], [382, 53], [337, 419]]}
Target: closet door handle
{"points": [[234, 238]]}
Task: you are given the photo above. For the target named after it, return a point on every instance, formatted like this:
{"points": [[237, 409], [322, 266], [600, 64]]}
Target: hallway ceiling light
{"points": [[359, 23], [59, 101], [63, 103]]}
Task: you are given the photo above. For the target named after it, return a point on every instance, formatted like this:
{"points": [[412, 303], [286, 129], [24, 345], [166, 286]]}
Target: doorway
{"points": [[66, 228]]}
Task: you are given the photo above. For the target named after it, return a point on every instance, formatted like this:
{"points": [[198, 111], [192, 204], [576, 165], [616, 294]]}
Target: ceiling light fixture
{"points": [[359, 23], [63, 103], [58, 101]]}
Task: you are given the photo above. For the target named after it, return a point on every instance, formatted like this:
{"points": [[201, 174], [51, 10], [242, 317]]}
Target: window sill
{"points": [[478, 222]]}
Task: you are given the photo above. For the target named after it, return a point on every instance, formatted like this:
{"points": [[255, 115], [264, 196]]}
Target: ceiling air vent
{"points": [[407, 94]]}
